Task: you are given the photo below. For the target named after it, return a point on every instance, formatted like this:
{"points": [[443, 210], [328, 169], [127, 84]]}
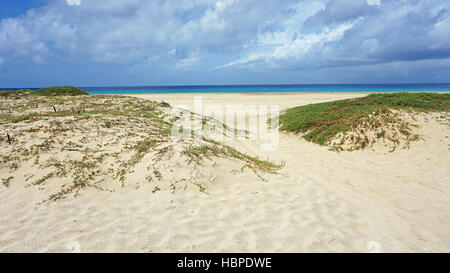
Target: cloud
{"points": [[297, 48], [339, 11], [229, 35], [345, 32], [129, 31], [73, 2], [374, 2], [407, 30]]}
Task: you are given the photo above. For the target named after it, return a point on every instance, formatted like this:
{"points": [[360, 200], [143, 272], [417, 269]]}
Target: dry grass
{"points": [[76, 143]]}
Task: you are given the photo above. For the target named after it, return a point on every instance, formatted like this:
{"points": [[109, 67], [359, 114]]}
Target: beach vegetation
{"points": [[50, 91], [164, 104], [200, 152], [336, 148], [7, 181], [79, 142], [60, 91], [322, 122], [15, 94]]}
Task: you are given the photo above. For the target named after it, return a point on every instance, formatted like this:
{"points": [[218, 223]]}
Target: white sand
{"points": [[321, 202]]}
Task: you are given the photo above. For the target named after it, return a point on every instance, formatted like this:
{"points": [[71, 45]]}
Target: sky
{"points": [[204, 42]]}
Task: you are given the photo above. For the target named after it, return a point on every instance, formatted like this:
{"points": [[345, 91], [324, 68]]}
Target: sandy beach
{"points": [[321, 201]]}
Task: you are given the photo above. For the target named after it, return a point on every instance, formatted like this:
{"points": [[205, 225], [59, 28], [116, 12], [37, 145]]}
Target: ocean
{"points": [[271, 88], [434, 87]]}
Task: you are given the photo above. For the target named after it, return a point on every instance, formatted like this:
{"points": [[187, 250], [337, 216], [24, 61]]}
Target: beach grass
{"points": [[321, 122], [60, 91], [214, 148], [103, 138], [49, 91]]}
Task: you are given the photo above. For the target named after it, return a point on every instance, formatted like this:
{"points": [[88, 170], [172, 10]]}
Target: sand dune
{"points": [[321, 201]]}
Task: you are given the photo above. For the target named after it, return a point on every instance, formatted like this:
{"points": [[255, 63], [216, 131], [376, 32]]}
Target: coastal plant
{"points": [[60, 91], [205, 151], [97, 138], [6, 181], [322, 122]]}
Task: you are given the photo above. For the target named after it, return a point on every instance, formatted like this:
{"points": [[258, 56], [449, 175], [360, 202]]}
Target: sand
{"points": [[322, 201]]}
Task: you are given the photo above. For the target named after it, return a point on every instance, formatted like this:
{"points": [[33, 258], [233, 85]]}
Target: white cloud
{"points": [[295, 49], [181, 34], [22, 37], [303, 45], [350, 32], [374, 2], [187, 62], [126, 32], [73, 2], [289, 43]]}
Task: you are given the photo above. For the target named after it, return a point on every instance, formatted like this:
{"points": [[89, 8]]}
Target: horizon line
{"points": [[232, 85]]}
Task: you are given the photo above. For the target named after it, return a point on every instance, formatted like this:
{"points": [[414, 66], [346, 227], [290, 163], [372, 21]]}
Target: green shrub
{"points": [[60, 91], [7, 94], [322, 121]]}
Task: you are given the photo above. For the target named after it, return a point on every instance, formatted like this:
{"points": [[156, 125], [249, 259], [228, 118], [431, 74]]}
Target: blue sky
{"points": [[178, 42]]}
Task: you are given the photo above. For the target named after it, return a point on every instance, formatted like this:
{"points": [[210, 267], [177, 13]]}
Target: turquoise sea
{"points": [[271, 88], [434, 87]]}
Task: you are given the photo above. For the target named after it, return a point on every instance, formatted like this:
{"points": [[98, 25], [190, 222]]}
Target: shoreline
{"points": [[269, 93]]}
